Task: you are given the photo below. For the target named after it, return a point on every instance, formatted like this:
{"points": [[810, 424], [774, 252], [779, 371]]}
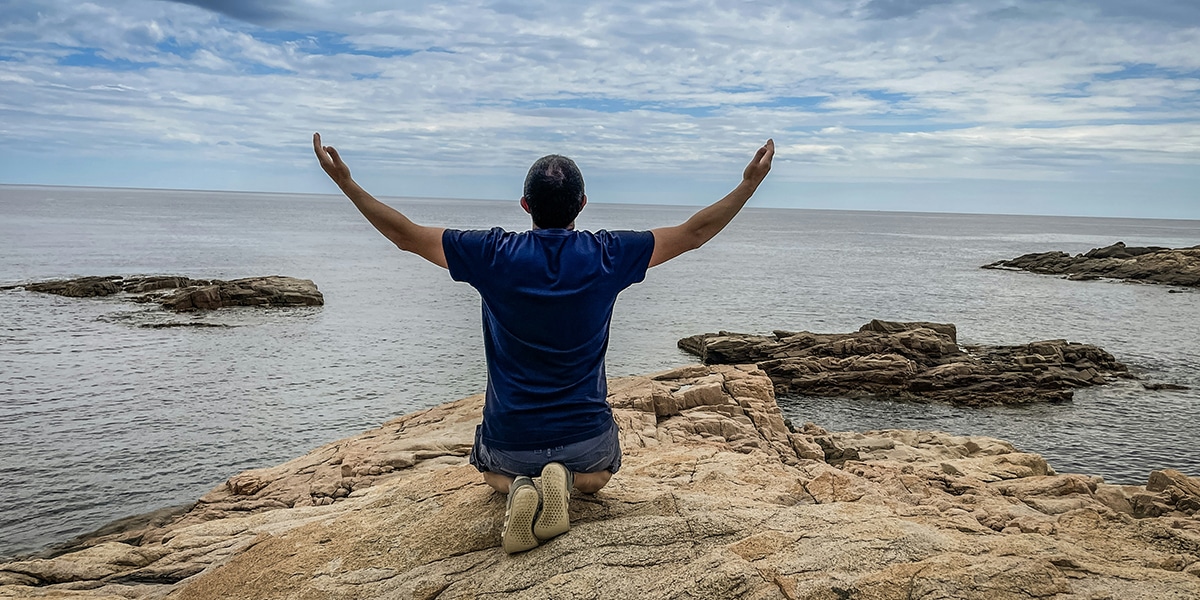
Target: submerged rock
{"points": [[912, 361], [716, 499], [185, 294], [1151, 264]]}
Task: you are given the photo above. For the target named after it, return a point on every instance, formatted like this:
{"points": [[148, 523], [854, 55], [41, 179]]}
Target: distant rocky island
{"points": [[1149, 264], [183, 294], [718, 498], [918, 361]]}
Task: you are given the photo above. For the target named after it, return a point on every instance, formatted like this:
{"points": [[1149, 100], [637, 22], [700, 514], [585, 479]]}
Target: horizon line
{"points": [[602, 202]]}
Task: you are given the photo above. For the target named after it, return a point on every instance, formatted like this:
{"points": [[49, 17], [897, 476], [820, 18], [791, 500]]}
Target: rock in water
{"points": [[84, 287], [716, 499], [185, 294], [912, 361], [254, 291], [1151, 264]]}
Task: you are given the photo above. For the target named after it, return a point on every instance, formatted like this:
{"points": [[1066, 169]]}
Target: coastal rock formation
{"points": [[917, 361], [1152, 264], [186, 294], [717, 498]]}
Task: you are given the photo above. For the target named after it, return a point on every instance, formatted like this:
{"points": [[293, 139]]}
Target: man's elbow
{"points": [[696, 238], [412, 248], [404, 242]]}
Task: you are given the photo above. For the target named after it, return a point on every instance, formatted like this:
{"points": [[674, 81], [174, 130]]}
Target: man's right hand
{"points": [[760, 165], [331, 162], [670, 242]]}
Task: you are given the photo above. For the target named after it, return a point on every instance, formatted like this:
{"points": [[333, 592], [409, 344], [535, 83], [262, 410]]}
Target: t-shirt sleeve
{"points": [[630, 252], [468, 253]]}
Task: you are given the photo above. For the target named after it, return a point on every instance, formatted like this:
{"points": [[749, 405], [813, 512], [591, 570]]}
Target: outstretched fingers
{"points": [[330, 160], [337, 160], [760, 165], [767, 151], [317, 145]]}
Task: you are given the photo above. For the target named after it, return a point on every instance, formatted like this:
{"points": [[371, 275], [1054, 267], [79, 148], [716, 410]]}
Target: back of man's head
{"points": [[554, 192]]}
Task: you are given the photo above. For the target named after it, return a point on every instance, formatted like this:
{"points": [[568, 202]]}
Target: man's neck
{"points": [[570, 227]]}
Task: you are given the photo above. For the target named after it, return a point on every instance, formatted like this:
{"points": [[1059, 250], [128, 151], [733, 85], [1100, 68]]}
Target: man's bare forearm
{"points": [[709, 221], [389, 221], [670, 242], [406, 235]]}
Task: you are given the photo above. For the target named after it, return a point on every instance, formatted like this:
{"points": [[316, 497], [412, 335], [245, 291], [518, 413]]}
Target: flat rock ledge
{"points": [[1149, 264], [186, 294], [918, 361], [717, 498]]}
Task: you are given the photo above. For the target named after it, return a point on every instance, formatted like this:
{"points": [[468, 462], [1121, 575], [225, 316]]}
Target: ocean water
{"points": [[101, 418]]}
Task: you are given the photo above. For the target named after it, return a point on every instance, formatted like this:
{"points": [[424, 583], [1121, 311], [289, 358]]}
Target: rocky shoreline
{"points": [[184, 294], [718, 498], [1151, 264], [919, 362]]}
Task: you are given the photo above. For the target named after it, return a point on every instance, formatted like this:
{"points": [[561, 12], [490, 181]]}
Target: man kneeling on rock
{"points": [[548, 296]]}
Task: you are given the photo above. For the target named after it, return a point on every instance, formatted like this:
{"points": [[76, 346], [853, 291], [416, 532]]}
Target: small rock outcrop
{"points": [[717, 498], [915, 361], [1150, 264], [185, 294]]}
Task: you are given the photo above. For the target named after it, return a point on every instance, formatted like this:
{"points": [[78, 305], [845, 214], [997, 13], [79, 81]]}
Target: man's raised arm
{"points": [[418, 239], [670, 242]]}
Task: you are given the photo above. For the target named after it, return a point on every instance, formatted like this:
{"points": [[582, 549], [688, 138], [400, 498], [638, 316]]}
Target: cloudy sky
{"points": [[1012, 106]]}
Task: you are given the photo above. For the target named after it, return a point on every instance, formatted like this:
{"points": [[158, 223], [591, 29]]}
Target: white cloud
{"points": [[885, 89]]}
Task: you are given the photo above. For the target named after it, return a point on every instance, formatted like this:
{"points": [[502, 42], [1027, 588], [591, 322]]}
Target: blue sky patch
{"points": [[885, 96], [90, 57], [324, 43], [1147, 71], [171, 45], [613, 105]]}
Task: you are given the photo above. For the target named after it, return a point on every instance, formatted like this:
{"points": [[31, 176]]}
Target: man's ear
{"points": [[583, 202], [525, 205]]}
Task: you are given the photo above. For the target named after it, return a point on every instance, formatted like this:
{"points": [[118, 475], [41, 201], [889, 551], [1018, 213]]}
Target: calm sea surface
{"points": [[101, 418]]}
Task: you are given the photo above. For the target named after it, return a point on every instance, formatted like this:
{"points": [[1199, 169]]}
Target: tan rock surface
{"points": [[716, 499]]}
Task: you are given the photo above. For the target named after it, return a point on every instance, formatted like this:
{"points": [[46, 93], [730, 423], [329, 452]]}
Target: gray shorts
{"points": [[601, 453]]}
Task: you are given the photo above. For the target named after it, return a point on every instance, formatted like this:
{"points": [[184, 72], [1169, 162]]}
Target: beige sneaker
{"points": [[554, 519], [519, 515]]}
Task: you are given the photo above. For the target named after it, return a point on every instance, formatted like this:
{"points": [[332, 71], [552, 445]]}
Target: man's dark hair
{"points": [[554, 191]]}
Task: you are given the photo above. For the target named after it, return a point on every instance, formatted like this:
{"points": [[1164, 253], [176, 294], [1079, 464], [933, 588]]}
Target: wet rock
{"points": [[918, 361], [1152, 264], [1154, 387], [754, 512], [254, 291], [83, 287], [186, 294]]}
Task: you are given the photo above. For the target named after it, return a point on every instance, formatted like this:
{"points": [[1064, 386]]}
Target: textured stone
{"points": [[755, 512], [1152, 264], [918, 361], [254, 291], [186, 294]]}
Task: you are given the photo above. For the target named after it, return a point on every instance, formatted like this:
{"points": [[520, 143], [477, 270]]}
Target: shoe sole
{"points": [[554, 520], [518, 523]]}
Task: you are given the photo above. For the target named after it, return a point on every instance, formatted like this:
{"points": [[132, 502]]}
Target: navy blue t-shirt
{"points": [[548, 298]]}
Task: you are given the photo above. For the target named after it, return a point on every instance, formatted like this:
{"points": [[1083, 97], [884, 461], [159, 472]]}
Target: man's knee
{"points": [[590, 483]]}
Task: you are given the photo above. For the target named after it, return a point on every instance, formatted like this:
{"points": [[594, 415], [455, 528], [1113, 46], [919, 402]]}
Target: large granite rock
{"points": [[717, 499], [1152, 264], [912, 361], [186, 294]]}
